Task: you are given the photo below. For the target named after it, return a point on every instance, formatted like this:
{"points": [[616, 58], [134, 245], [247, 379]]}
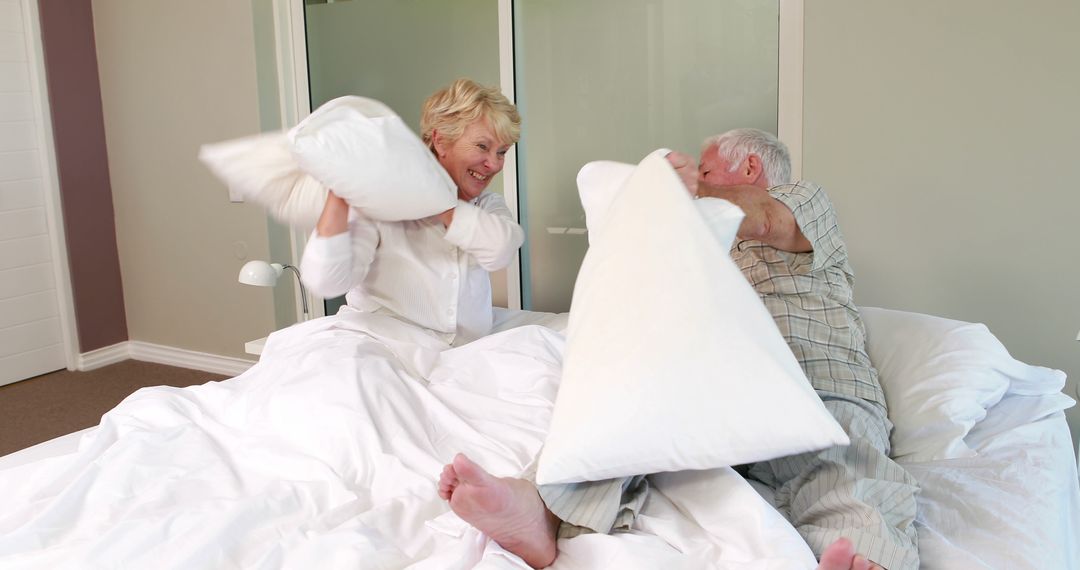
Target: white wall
{"points": [[175, 75], [947, 135], [31, 340]]}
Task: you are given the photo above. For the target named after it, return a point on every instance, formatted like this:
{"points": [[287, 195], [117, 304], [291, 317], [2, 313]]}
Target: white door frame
{"points": [[292, 76], [54, 216], [789, 112], [295, 101]]}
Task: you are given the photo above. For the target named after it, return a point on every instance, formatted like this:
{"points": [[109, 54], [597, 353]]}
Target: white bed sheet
{"points": [[326, 454], [1014, 505], [314, 460]]}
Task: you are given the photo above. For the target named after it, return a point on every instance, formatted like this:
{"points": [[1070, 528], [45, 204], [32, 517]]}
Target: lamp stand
{"points": [[300, 282]]}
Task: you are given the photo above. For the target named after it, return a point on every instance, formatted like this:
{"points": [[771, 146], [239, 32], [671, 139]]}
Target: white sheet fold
{"points": [[326, 454]]}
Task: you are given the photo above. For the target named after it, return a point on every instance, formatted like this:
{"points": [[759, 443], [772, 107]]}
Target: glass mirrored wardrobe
{"points": [[603, 79], [614, 80], [399, 52]]}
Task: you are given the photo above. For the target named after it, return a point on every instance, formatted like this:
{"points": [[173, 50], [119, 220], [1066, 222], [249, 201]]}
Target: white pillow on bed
{"points": [[940, 376], [366, 154], [672, 362], [262, 170]]}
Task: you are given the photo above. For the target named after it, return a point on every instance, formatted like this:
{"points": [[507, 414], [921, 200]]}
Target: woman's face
{"points": [[472, 159]]}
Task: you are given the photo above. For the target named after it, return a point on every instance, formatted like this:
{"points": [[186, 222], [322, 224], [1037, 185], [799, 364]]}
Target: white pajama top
{"points": [[418, 270]]}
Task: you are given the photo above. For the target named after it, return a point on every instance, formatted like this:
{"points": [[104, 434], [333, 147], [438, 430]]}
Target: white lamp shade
{"points": [[260, 273]]}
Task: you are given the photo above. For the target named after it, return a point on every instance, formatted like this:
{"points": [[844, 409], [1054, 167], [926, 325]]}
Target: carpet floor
{"points": [[55, 404]]}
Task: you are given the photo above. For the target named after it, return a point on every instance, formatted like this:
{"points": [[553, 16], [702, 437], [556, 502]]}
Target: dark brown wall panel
{"points": [[71, 72]]}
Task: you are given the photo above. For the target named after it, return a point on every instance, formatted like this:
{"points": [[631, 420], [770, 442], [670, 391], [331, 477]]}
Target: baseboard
{"points": [[118, 352], [147, 352], [226, 365]]}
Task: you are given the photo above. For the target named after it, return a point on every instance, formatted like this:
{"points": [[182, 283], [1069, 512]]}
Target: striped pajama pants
{"points": [[852, 491]]}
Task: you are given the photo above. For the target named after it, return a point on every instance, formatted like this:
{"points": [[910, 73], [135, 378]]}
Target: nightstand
{"points": [[255, 346]]}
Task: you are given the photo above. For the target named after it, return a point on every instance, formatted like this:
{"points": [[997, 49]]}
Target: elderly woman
{"points": [[434, 271]]}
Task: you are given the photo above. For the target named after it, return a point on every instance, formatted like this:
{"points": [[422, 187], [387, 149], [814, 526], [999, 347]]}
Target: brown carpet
{"points": [[58, 403]]}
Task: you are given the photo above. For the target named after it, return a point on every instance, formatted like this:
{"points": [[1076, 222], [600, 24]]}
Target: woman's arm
{"points": [[340, 251], [335, 216], [487, 231]]}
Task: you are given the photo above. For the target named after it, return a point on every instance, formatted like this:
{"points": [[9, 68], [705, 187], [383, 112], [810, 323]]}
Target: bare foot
{"points": [[840, 555], [508, 510]]}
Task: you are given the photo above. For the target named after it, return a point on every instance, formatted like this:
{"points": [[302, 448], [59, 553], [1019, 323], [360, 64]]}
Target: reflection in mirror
{"points": [[285, 309], [614, 80], [399, 53]]}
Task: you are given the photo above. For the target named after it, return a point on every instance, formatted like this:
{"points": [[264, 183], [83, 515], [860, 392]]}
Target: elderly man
{"points": [[790, 248], [842, 500]]}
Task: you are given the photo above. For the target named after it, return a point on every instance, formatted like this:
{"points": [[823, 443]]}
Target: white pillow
{"points": [[366, 154], [599, 183], [940, 376], [672, 362], [262, 170]]}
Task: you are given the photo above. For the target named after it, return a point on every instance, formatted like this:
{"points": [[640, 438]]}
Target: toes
{"points": [[448, 481], [448, 474], [860, 563], [468, 471], [838, 556]]}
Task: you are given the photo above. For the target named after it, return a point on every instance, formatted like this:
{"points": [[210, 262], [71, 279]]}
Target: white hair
{"points": [[737, 144]]}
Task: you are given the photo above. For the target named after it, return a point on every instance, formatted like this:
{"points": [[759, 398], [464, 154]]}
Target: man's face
{"points": [[716, 170]]}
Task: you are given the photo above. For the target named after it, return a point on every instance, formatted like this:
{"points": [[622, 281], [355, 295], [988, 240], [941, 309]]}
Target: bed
{"points": [[325, 454]]}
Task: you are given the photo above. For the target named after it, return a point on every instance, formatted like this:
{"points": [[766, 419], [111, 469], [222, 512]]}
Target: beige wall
{"points": [[947, 135], [175, 75]]}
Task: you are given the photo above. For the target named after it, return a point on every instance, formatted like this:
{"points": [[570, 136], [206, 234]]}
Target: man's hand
{"points": [[686, 167]]}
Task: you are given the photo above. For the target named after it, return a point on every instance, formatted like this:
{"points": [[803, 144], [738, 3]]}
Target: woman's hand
{"points": [[335, 216], [446, 217]]}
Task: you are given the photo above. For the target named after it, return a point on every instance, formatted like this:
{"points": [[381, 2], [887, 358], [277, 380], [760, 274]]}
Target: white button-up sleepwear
{"points": [[418, 270]]}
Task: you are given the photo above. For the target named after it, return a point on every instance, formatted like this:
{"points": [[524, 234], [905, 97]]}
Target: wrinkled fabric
{"points": [[326, 454]]}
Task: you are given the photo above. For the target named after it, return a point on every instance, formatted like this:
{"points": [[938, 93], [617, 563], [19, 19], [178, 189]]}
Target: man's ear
{"points": [[753, 170]]}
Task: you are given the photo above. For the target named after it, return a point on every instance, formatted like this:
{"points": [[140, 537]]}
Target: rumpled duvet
{"points": [[326, 454]]}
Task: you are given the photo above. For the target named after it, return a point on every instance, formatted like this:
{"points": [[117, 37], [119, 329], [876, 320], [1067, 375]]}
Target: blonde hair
{"points": [[456, 106]]}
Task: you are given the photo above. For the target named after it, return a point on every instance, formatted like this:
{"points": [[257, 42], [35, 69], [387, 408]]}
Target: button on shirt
{"points": [[433, 276], [810, 296]]}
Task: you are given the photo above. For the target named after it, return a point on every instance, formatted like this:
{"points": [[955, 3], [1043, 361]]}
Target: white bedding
{"points": [[325, 454], [1014, 505]]}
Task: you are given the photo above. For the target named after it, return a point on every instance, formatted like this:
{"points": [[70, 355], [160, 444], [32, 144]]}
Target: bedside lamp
{"points": [[263, 274]]}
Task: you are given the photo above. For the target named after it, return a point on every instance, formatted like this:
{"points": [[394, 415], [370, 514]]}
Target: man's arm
{"points": [[767, 219]]}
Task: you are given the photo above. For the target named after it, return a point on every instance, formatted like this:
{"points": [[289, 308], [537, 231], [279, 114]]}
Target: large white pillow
{"points": [[262, 170], [366, 154], [672, 362], [940, 376], [599, 183]]}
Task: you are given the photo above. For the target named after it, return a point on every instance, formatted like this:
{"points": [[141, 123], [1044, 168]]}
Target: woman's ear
{"points": [[438, 142]]}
